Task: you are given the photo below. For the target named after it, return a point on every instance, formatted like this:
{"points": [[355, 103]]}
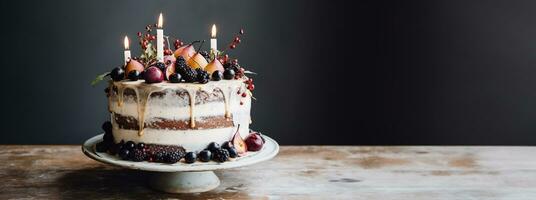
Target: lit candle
{"points": [[127, 50], [160, 40], [213, 40]]}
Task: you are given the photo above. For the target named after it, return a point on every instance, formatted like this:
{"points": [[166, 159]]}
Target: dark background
{"points": [[370, 72]]}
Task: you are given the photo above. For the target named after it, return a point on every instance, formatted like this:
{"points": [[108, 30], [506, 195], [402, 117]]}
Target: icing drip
{"points": [[142, 97], [192, 93], [143, 93], [226, 101], [120, 92]]}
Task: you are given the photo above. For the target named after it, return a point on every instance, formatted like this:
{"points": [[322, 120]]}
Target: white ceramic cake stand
{"points": [[181, 177]]}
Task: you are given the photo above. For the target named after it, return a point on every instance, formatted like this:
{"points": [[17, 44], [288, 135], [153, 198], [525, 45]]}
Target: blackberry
{"points": [[188, 74], [101, 147], [232, 65], [220, 155], [202, 76], [180, 62], [114, 148], [159, 156], [137, 155], [108, 138], [173, 157], [205, 54], [161, 66]]}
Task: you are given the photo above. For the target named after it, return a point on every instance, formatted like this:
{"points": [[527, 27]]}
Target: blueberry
{"points": [[228, 74], [140, 145], [213, 146], [232, 152], [227, 145], [205, 156], [217, 75], [129, 145], [133, 75], [107, 126], [117, 74], [175, 78], [124, 153], [190, 157]]}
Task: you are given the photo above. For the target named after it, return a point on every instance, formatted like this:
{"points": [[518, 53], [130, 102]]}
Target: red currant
{"points": [[237, 39], [167, 52], [241, 32], [139, 34], [153, 37], [232, 46], [244, 94]]}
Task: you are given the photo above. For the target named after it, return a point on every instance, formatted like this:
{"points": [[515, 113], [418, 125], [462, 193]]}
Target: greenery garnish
{"points": [[99, 78]]}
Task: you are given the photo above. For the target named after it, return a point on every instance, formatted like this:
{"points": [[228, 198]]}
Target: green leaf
{"points": [[99, 78]]}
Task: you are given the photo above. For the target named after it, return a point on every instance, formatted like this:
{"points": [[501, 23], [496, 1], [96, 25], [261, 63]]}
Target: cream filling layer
{"points": [[191, 140]]}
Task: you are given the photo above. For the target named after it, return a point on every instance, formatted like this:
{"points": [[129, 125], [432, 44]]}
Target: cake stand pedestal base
{"points": [[184, 182], [181, 177]]}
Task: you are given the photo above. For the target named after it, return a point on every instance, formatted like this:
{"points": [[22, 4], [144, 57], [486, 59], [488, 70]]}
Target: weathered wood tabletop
{"points": [[298, 172]]}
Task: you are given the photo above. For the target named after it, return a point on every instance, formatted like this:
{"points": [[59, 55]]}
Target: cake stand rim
{"points": [[269, 150]]}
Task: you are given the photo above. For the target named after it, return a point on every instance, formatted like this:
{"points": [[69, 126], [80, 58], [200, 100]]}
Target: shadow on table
{"points": [[101, 182]]}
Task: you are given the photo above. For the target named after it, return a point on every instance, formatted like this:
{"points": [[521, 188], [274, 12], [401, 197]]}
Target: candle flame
{"points": [[127, 43], [213, 33], [160, 21]]}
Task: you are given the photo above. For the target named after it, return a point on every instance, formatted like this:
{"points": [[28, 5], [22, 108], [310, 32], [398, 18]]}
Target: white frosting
{"points": [[191, 140], [173, 107]]}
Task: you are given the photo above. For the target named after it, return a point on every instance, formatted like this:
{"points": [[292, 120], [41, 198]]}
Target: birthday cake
{"points": [[185, 105]]}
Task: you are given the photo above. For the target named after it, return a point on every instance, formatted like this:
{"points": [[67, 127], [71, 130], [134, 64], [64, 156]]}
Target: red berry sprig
{"points": [[250, 84], [235, 42]]}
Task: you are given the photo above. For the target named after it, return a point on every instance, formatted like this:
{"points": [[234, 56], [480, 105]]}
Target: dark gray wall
{"points": [[376, 72]]}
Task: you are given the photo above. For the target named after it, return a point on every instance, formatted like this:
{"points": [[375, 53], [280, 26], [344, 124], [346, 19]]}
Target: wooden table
{"points": [[298, 172]]}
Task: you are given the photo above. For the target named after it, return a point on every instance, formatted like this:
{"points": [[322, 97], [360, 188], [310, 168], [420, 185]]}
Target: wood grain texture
{"points": [[304, 172]]}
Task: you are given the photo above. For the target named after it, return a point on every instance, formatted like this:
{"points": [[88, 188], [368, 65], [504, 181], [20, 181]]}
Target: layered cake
{"points": [[181, 105]]}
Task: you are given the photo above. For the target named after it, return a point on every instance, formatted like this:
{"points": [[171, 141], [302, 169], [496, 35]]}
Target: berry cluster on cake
{"points": [[185, 105]]}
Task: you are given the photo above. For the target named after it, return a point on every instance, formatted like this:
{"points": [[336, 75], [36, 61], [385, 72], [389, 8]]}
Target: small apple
{"points": [[254, 142], [196, 61], [153, 75], [239, 144], [213, 66], [134, 65]]}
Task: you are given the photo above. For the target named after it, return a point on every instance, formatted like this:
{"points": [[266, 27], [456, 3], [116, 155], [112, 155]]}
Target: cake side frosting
{"points": [[190, 115]]}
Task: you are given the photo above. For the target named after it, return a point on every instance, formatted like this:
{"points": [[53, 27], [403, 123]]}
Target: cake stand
{"points": [[181, 177]]}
